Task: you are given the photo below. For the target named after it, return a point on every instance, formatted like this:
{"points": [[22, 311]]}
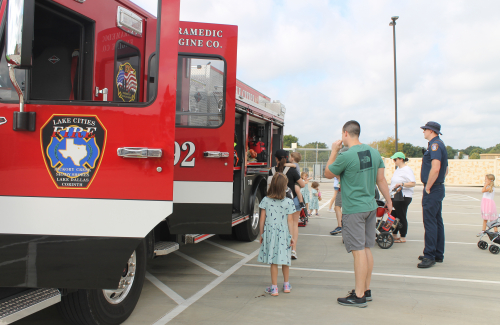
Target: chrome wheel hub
{"points": [[115, 296]]}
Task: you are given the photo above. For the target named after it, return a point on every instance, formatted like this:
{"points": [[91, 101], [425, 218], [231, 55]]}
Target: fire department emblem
{"points": [[73, 147], [126, 82]]}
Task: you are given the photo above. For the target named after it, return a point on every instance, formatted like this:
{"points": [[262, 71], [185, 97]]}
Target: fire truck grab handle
{"points": [[216, 154], [104, 93], [139, 153]]}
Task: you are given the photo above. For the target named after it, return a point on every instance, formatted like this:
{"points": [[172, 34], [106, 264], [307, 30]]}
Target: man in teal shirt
{"points": [[359, 169]]}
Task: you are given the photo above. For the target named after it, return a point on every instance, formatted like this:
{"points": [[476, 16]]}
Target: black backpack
{"points": [[289, 193]]}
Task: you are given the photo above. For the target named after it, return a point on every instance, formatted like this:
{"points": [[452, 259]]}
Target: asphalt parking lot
{"points": [[220, 281]]}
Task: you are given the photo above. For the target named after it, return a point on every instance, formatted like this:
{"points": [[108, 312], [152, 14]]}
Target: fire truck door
{"points": [[205, 117], [98, 176]]}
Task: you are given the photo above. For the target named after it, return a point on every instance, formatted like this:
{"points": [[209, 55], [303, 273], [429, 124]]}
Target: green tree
{"points": [[476, 150], [469, 149], [288, 140], [460, 155], [474, 155], [495, 149], [410, 150], [321, 145], [451, 152], [310, 155]]}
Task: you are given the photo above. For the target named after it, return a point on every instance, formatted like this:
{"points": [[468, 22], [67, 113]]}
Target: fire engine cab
{"points": [[123, 136]]}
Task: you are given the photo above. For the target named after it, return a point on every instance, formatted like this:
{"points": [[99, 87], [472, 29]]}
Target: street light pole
{"points": [[393, 24]]}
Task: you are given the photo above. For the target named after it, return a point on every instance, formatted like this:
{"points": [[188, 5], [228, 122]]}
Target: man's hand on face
{"points": [[336, 146]]}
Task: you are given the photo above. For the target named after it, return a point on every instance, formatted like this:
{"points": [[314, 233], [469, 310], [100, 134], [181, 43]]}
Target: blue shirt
{"points": [[435, 150]]}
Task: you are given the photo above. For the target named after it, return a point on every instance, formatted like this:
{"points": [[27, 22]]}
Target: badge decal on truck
{"points": [[126, 82], [73, 147]]}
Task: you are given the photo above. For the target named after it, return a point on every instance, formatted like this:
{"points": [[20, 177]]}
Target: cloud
{"points": [[331, 61]]}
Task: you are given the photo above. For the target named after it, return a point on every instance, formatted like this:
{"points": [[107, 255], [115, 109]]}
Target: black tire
{"points": [[482, 244], [494, 249], [90, 306], [385, 240], [249, 230]]}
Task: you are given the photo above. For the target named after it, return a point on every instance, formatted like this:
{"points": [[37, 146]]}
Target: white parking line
{"points": [[164, 288], [324, 205], [460, 205], [450, 224], [319, 235], [388, 275], [194, 298], [414, 240], [226, 248], [200, 264], [475, 213]]}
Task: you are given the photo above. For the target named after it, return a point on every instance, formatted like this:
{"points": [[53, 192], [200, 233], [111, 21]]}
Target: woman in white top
{"points": [[403, 176]]}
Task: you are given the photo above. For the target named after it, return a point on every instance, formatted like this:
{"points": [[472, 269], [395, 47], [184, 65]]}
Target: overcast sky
{"points": [[332, 61]]}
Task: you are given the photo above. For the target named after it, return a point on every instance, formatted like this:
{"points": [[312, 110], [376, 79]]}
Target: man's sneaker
{"points": [[426, 263], [438, 260], [294, 255], [272, 290], [287, 287], [352, 300], [336, 231], [368, 295]]}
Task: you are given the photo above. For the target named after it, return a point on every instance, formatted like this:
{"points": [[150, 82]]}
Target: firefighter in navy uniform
{"points": [[433, 173]]}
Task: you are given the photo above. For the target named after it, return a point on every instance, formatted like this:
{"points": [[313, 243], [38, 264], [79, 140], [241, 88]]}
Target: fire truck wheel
{"points": [[249, 230], [108, 307]]}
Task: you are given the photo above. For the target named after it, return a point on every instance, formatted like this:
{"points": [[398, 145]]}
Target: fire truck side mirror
{"points": [[20, 22], [20, 29]]}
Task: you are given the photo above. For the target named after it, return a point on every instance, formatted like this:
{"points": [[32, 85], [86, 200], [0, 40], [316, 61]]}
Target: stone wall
{"points": [[462, 172]]}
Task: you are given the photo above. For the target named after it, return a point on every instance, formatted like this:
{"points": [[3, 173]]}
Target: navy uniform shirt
{"points": [[435, 150]]}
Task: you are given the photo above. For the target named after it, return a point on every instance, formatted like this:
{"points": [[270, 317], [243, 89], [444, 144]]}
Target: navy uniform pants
{"points": [[432, 204]]}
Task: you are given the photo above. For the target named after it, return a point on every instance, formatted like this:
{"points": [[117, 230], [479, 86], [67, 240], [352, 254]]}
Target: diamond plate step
{"points": [[23, 305], [165, 247]]}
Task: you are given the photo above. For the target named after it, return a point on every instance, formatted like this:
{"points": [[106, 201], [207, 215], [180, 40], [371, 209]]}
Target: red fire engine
{"points": [[123, 137]]}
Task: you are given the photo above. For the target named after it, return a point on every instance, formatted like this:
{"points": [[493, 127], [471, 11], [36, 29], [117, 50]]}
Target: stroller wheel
{"points": [[385, 240], [494, 249], [482, 244]]}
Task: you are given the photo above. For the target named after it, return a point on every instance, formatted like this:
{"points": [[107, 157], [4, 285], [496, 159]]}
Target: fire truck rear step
{"points": [[165, 247], [27, 303], [196, 238]]}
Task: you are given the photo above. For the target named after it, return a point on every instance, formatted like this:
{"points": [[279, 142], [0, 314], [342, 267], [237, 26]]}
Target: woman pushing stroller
{"points": [[403, 177]]}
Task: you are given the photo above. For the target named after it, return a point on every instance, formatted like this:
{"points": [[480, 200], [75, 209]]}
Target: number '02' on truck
{"points": [[124, 136]]}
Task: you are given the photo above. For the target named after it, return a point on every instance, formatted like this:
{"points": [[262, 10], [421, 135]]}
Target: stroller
{"points": [[492, 235], [303, 219], [386, 224]]}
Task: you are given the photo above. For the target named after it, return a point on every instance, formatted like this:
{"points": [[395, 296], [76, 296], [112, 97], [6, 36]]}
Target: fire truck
{"points": [[124, 136]]}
